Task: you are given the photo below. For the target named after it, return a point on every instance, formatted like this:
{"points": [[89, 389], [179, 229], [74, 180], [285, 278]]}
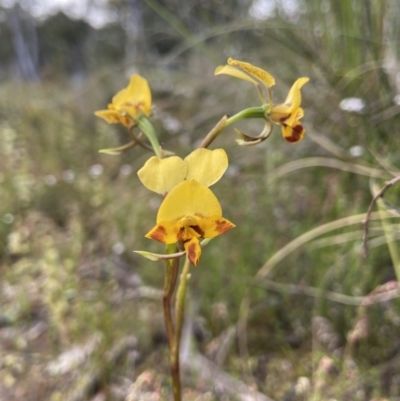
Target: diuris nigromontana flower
{"points": [[188, 213], [204, 165], [286, 114], [129, 103]]}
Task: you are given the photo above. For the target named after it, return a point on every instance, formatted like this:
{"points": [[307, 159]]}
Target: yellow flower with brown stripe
{"points": [[287, 114], [129, 103], [189, 213]]}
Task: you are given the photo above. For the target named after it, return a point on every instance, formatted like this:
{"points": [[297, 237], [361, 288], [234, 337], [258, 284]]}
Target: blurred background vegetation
{"points": [[72, 291]]}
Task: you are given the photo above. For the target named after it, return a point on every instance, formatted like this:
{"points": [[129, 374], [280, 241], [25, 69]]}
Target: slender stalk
{"points": [[252, 112], [261, 94], [270, 96], [390, 239], [378, 195], [214, 132], [171, 275], [179, 313]]}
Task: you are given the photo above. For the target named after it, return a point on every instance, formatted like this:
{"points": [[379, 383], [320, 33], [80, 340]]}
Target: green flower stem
{"points": [[179, 313], [252, 112], [214, 133], [147, 128], [171, 275]]}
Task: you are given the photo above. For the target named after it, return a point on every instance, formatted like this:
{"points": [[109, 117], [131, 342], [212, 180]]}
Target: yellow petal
{"points": [[193, 250], [294, 118], [113, 117], [282, 114], [189, 198], [266, 78], [213, 226], [189, 225], [161, 175], [135, 98], [165, 232], [293, 134], [299, 113], [293, 99], [206, 166], [234, 72]]}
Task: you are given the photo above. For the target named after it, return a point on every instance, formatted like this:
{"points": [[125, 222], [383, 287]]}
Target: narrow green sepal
{"points": [[205, 241], [168, 152], [155, 257], [119, 150], [147, 128], [246, 140]]}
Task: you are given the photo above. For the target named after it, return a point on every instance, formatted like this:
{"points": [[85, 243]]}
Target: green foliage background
{"points": [[71, 217]]}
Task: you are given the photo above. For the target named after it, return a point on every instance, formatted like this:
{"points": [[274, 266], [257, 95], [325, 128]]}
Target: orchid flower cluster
{"points": [[286, 114], [190, 214]]}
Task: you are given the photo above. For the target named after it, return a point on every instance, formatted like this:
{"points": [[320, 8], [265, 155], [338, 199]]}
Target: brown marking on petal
{"points": [[126, 121], [298, 113], [159, 233], [198, 230], [139, 106], [284, 118], [191, 253], [297, 133], [222, 226], [180, 233]]}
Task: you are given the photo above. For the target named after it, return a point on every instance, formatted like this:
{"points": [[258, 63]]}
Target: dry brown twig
{"points": [[380, 194]]}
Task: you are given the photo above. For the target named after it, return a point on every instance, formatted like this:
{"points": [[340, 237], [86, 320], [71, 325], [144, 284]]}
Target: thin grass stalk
{"points": [[264, 271], [391, 240], [389, 234]]}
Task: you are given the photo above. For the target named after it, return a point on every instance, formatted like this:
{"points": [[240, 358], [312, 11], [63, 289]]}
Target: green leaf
{"points": [[147, 128]]}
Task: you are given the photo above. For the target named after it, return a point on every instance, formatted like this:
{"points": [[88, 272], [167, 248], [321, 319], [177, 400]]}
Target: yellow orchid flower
{"points": [[189, 212], [204, 165], [129, 103], [287, 114]]}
